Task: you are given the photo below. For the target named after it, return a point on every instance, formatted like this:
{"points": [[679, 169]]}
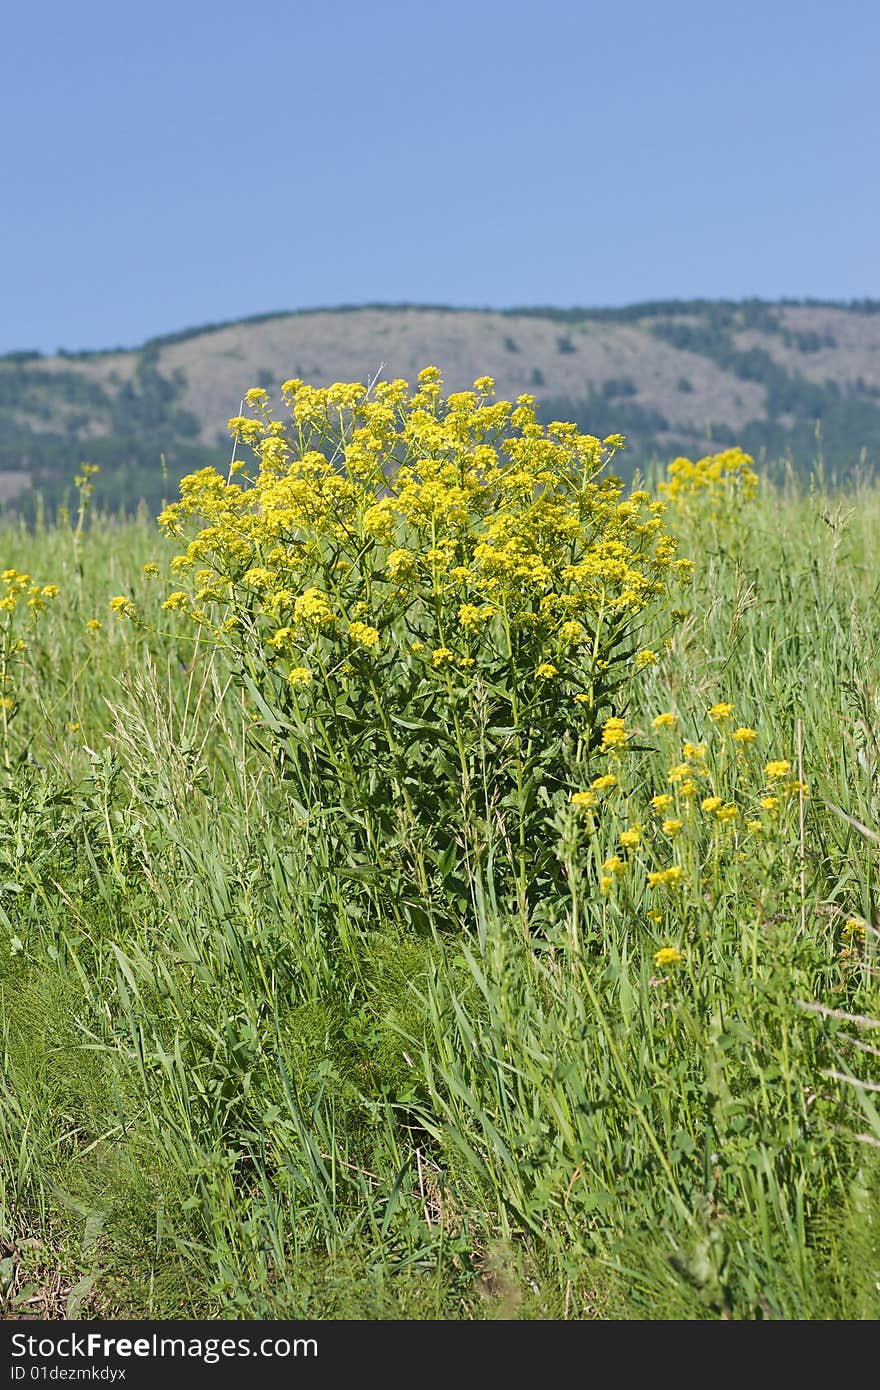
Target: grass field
{"points": [[235, 1084]]}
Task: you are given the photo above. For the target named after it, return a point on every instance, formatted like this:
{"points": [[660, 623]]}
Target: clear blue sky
{"points": [[170, 164]]}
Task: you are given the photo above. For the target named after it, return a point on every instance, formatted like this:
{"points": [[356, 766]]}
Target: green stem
{"points": [[401, 785], [514, 710]]}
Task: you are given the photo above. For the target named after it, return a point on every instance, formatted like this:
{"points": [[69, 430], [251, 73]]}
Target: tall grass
{"points": [[233, 1085]]}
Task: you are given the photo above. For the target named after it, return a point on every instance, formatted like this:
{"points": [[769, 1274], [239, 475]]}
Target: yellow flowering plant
{"points": [[434, 604], [717, 485], [22, 603], [664, 839]]}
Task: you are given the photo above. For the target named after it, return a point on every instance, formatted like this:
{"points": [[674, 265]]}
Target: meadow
{"points": [[466, 997]]}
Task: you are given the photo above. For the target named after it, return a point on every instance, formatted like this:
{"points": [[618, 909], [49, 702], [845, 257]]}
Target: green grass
{"points": [[233, 1086]]}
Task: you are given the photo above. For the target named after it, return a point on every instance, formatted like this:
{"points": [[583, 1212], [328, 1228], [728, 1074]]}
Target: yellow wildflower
{"points": [[723, 481], [720, 712], [853, 929], [178, 601], [664, 721], [744, 735], [469, 615], [694, 752], [614, 734], [778, 769], [363, 635], [312, 606], [122, 607], [585, 799], [667, 955], [604, 784], [400, 565], [660, 877]]}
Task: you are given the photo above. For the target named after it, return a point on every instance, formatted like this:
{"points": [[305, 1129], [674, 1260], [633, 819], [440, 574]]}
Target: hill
{"points": [[674, 376]]}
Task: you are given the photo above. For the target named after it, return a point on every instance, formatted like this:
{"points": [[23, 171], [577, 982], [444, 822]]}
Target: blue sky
{"points": [[172, 164]]}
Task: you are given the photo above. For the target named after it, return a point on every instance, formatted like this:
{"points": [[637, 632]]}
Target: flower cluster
{"points": [[22, 602], [460, 529], [20, 592], [719, 804], [720, 483]]}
